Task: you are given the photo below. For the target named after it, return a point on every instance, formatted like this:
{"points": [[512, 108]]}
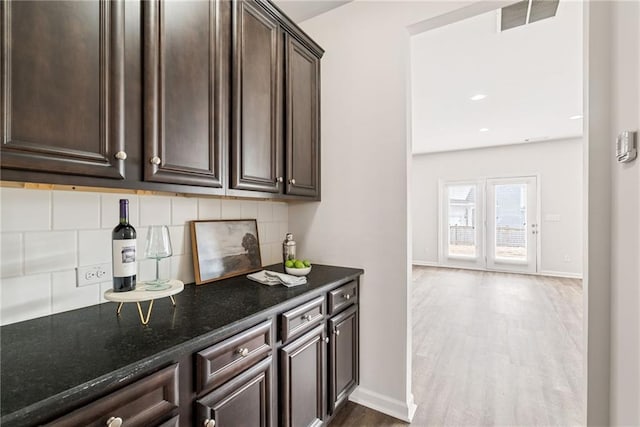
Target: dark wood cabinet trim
{"points": [[154, 98], [29, 155], [208, 405], [337, 323]]}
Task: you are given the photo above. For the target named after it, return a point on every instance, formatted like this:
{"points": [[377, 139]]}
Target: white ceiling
{"points": [[300, 10], [531, 76]]}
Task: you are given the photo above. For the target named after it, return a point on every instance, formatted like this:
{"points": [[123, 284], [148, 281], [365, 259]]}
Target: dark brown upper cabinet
{"points": [[256, 129], [186, 66], [302, 70], [275, 104], [62, 87]]}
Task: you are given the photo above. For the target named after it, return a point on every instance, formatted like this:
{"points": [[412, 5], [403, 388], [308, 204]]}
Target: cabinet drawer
{"points": [[220, 362], [301, 319], [343, 297], [144, 403]]}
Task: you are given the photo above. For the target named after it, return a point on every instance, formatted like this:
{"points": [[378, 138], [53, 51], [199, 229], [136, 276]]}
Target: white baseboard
{"points": [[426, 263], [539, 273], [560, 274], [395, 408]]}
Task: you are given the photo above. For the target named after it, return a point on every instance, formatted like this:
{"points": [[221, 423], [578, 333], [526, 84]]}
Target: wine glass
{"points": [[158, 246]]}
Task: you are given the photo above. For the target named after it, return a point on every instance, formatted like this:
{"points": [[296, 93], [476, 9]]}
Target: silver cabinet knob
{"points": [[326, 340], [243, 351], [121, 155], [307, 317], [336, 332], [292, 181], [347, 297], [155, 160], [209, 423], [114, 422], [279, 179]]}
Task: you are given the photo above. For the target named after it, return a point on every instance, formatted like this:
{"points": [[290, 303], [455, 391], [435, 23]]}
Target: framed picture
{"points": [[224, 248]]}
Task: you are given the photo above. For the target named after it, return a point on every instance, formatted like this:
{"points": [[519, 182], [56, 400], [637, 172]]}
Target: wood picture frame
{"points": [[224, 248]]}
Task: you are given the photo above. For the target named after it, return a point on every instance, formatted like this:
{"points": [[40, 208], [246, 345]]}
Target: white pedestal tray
{"points": [[144, 292]]}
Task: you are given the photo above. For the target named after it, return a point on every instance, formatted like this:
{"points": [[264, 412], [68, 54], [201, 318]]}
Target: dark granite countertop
{"points": [[53, 362]]}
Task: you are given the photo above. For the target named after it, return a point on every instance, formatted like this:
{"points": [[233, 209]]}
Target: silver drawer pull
{"points": [[209, 423], [242, 351], [307, 317], [326, 340], [336, 332], [114, 422], [121, 155], [155, 160], [347, 296], [292, 181]]}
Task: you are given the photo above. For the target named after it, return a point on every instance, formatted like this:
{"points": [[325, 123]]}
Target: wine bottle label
{"points": [[124, 258]]}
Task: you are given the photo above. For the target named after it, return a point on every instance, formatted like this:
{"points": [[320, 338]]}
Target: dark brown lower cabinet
{"points": [[147, 402], [302, 380], [245, 400], [343, 356]]}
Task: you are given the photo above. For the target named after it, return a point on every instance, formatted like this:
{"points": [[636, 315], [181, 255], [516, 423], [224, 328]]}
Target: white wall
{"points": [[46, 234], [625, 221], [362, 219], [559, 166]]}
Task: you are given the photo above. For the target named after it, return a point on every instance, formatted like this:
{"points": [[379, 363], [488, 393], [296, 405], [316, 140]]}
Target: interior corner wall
{"points": [[362, 219], [558, 165], [625, 212]]}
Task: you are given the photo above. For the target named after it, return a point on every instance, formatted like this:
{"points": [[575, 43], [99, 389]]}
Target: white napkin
{"points": [[272, 277]]}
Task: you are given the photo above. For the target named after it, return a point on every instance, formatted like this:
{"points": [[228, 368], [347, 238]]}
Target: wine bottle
{"points": [[124, 252]]}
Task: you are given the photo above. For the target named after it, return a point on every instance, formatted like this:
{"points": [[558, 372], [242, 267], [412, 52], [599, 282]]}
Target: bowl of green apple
{"points": [[297, 267]]}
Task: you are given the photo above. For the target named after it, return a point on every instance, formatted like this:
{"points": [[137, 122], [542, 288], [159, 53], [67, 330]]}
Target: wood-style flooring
{"points": [[491, 349]]}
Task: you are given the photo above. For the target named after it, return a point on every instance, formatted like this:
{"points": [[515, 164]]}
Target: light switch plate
{"points": [[91, 274]]}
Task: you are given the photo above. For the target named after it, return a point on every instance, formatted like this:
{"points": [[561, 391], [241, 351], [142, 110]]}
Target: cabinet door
{"points": [[343, 356], [62, 86], [302, 380], [245, 400], [186, 44], [302, 120], [256, 100]]}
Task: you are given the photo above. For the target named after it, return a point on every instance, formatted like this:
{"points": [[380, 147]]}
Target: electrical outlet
{"points": [[91, 274]]}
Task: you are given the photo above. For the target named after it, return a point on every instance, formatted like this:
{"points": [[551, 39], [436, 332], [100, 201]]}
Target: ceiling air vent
{"points": [[526, 12]]}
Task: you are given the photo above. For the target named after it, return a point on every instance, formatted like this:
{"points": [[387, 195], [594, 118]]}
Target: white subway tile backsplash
{"points": [[183, 209], [281, 212], [155, 210], [25, 210], [110, 210], [209, 209], [177, 234], [25, 297], [94, 247], [231, 209], [47, 234], [265, 211], [11, 251], [284, 229], [75, 210], [182, 268], [66, 296], [49, 251], [249, 209]]}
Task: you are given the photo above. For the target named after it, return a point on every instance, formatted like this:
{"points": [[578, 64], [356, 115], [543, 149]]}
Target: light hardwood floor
{"points": [[491, 349]]}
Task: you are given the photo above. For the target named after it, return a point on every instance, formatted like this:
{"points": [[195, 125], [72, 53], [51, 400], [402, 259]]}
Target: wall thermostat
{"points": [[626, 149]]}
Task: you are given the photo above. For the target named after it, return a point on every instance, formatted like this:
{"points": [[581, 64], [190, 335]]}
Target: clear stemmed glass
{"points": [[158, 246]]}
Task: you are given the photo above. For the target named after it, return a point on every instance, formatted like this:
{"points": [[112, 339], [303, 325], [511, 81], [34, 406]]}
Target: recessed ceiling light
{"points": [[484, 130], [576, 117], [478, 97]]}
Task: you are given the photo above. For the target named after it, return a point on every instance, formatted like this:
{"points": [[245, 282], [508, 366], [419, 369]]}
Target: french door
{"points": [[490, 224]]}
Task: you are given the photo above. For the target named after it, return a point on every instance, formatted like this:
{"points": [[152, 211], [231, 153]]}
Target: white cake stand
{"points": [[144, 292]]}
